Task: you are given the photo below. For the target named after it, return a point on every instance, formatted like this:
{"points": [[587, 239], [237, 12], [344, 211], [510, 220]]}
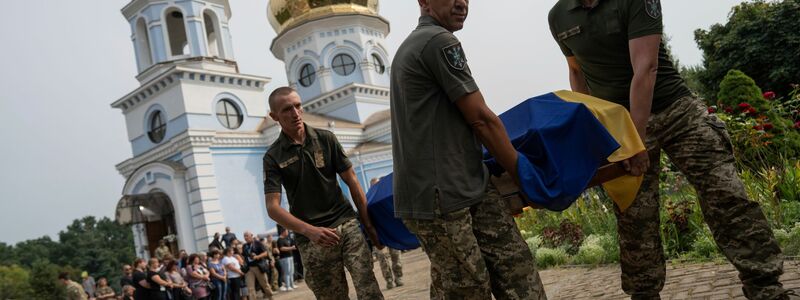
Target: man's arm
{"points": [[349, 177], [576, 79], [644, 59], [489, 130], [323, 236]]}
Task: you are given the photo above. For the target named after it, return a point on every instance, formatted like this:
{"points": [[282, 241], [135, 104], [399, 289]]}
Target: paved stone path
{"points": [[686, 281]]}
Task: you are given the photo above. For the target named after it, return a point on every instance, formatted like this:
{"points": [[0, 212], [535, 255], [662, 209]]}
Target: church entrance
{"points": [[154, 215]]}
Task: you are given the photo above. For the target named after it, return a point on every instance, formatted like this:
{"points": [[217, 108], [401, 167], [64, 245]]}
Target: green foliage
{"points": [[44, 281], [597, 249], [97, 247], [789, 240], [703, 247], [14, 283], [549, 257], [534, 243], [567, 235], [761, 39], [738, 88]]}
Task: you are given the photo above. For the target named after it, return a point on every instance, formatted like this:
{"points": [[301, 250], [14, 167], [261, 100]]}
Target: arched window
{"points": [[343, 64], [158, 128], [307, 75], [176, 33], [143, 44], [228, 114], [212, 35], [378, 63]]}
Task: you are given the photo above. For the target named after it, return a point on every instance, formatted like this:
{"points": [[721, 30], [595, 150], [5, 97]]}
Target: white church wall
{"points": [[241, 189]]}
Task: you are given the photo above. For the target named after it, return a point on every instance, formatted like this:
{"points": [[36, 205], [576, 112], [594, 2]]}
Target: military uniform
{"points": [[696, 142], [391, 266], [75, 291], [162, 251], [441, 187], [308, 173]]}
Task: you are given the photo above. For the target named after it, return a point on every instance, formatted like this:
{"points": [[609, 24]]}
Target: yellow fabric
{"points": [[617, 121]]}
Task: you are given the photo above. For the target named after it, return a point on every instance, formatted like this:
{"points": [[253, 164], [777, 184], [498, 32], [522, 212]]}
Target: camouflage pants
{"points": [[478, 251], [389, 260], [325, 266], [698, 144]]}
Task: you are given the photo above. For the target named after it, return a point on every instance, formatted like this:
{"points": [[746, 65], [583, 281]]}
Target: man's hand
{"points": [[324, 236], [638, 164], [372, 234]]}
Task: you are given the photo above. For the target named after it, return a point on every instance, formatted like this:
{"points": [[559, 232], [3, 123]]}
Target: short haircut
{"points": [[171, 264], [63, 275], [279, 92], [215, 252], [137, 261]]}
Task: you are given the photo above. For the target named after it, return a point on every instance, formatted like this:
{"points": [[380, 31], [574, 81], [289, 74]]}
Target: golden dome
{"points": [[286, 13]]}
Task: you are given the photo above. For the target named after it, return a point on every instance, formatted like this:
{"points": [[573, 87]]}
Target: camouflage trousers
{"points": [[324, 266], [478, 251], [698, 144], [389, 260]]}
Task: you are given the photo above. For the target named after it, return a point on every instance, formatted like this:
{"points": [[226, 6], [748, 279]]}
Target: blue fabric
{"points": [[391, 231], [561, 146]]}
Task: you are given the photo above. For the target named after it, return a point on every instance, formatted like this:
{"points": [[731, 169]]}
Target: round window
{"points": [[158, 128], [343, 64], [378, 63], [228, 114], [307, 75]]}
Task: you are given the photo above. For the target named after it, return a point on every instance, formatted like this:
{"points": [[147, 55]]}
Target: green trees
{"points": [[760, 39], [97, 247], [738, 88]]}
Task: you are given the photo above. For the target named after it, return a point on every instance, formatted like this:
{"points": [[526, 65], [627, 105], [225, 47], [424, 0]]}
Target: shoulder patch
{"points": [[454, 55], [653, 8]]}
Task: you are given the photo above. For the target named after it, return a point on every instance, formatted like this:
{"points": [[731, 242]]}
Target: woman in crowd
{"points": [[218, 275], [140, 284], [180, 289], [198, 277], [157, 281], [104, 292], [234, 273], [237, 253]]}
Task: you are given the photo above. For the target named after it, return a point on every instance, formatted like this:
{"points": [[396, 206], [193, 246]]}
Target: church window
{"points": [[379, 66], [158, 128], [343, 64], [212, 36], [176, 30], [307, 75], [228, 114]]}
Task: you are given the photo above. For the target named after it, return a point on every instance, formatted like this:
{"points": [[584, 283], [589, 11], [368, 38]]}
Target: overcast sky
{"points": [[62, 63]]}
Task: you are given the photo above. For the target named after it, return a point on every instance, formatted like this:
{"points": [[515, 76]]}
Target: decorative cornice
{"points": [[178, 73], [354, 89]]}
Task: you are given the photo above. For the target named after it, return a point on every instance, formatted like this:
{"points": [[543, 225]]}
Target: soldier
{"points": [[162, 250], [614, 51], [74, 290], [441, 187], [391, 267], [306, 160]]}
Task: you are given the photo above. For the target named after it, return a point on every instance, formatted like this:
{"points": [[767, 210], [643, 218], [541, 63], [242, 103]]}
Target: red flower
{"points": [[758, 127], [797, 125], [744, 105], [729, 110], [750, 111], [768, 126], [769, 95], [711, 110]]}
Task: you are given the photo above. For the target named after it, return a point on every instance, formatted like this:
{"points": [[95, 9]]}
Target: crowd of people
{"points": [[231, 269]]}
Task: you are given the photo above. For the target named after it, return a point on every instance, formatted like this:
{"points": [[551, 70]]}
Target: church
{"points": [[198, 128]]}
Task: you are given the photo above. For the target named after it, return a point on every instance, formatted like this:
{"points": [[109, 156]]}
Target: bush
{"points": [[789, 240], [14, 283], [534, 243], [704, 247], [591, 252], [737, 88], [567, 235], [549, 257]]}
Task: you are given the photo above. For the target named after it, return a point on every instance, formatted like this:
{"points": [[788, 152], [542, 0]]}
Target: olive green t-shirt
{"points": [[437, 158], [598, 39], [308, 173]]}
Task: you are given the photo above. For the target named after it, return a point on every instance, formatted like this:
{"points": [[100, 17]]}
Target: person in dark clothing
{"points": [[127, 276], [157, 281], [228, 237], [216, 243], [139, 278]]}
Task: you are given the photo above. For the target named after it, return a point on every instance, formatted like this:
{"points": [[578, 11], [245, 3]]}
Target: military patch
{"points": [[455, 57], [319, 159], [653, 8], [288, 162]]}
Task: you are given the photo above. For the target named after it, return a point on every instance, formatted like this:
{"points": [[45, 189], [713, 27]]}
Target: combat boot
{"points": [[399, 282], [389, 285]]}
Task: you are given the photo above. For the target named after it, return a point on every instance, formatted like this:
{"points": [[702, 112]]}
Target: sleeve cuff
{"points": [[458, 91]]}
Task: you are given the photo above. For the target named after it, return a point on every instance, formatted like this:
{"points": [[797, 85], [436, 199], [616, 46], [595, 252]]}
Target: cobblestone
{"points": [[684, 281]]}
